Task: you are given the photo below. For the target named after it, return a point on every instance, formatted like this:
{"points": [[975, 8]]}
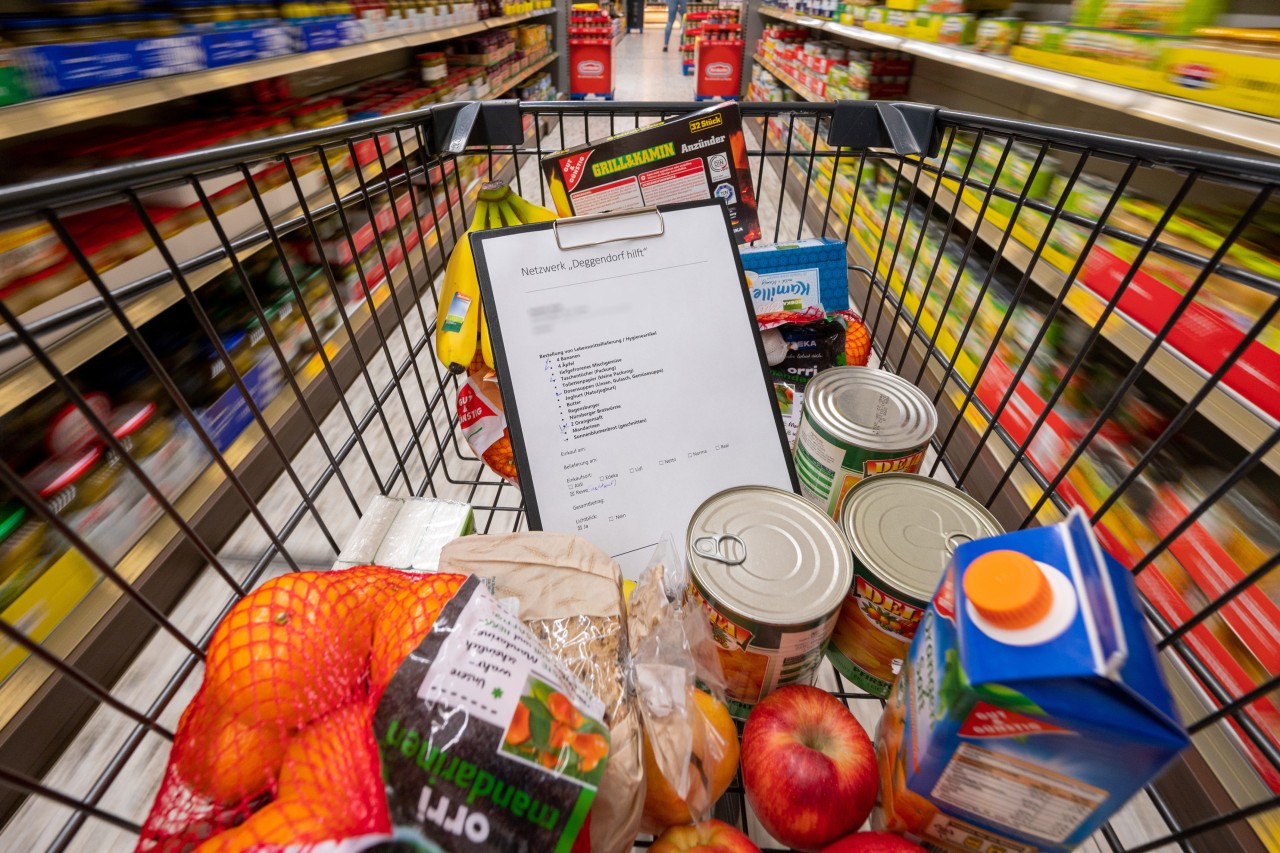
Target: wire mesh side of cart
{"points": [[1081, 349]]}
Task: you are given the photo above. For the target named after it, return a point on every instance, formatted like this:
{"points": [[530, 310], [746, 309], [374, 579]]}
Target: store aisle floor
{"points": [[642, 72]]}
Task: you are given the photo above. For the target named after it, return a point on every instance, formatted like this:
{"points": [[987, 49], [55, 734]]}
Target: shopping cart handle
{"points": [[457, 126], [906, 128]]}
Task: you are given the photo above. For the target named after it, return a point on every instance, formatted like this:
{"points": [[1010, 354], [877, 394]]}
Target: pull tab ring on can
{"points": [[709, 547], [955, 540]]}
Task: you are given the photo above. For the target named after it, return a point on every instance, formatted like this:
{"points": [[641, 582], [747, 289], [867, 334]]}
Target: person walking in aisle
{"points": [[675, 12]]}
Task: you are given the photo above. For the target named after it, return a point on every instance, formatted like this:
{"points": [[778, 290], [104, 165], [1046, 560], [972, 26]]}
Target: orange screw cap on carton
{"points": [[1008, 589]]}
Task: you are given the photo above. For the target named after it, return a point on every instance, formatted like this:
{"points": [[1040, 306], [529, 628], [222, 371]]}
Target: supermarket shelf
{"points": [[21, 377], [72, 346], [1232, 414], [1240, 419], [786, 78], [163, 561], [1251, 131], [47, 113], [529, 72]]}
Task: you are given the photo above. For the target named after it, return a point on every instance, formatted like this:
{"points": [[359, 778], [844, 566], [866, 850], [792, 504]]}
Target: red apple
{"points": [[710, 836], [808, 767], [873, 842]]}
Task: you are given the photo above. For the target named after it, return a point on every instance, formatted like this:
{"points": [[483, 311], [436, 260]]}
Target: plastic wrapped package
{"points": [[483, 421], [691, 741], [569, 593], [405, 533]]}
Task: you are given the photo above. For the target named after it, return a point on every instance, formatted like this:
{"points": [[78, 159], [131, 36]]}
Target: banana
{"points": [[509, 218], [528, 212], [458, 314]]}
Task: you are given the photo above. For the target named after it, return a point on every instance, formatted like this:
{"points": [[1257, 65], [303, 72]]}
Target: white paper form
{"points": [[632, 375]]}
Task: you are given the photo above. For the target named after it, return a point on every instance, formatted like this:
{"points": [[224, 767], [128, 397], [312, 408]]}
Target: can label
{"points": [[828, 469], [757, 659], [873, 632]]}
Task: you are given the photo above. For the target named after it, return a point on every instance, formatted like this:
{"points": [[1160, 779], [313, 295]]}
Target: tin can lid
{"points": [[871, 408], [904, 528], [783, 561]]}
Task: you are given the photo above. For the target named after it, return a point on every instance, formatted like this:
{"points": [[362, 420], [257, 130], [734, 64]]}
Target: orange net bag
{"points": [[277, 747]]}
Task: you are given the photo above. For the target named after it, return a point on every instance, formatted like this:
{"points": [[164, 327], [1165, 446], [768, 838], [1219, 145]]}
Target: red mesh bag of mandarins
{"points": [[333, 702]]}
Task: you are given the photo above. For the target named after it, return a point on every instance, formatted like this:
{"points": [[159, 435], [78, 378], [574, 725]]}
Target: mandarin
{"points": [[280, 657], [334, 767], [225, 759], [712, 765], [274, 825], [405, 621]]}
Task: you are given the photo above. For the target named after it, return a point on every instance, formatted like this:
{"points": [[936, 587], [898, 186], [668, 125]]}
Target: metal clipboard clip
{"points": [[573, 221]]}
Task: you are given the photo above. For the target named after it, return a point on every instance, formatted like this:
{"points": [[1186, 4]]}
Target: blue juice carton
{"points": [[1031, 706]]}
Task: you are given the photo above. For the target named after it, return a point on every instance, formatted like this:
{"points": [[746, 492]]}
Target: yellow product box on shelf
{"points": [[50, 599], [943, 28], [1110, 72], [1042, 35], [905, 5], [1176, 17], [1223, 75], [882, 19], [1117, 46]]}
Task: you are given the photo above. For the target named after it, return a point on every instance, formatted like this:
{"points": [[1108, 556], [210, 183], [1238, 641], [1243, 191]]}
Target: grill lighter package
{"points": [[1031, 706], [698, 156]]}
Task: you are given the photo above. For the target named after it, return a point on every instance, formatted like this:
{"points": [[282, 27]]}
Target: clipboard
{"points": [[633, 376]]}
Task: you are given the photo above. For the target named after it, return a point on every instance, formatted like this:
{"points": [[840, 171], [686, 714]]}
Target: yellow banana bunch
{"points": [[460, 316]]}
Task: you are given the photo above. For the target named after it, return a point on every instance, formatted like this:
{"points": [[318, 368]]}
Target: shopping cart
{"points": [[1081, 347]]}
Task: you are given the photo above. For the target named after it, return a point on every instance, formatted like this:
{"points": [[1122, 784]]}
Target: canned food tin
{"points": [[902, 529], [770, 571], [857, 422]]}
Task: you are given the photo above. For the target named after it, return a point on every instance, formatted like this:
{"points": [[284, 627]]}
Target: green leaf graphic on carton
{"points": [[954, 689], [1008, 699]]}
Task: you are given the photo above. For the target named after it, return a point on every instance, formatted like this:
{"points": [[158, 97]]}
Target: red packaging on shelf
{"points": [[719, 68], [590, 66]]}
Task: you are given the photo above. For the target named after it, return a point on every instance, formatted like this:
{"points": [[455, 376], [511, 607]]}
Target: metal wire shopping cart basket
{"points": [[1083, 347]]}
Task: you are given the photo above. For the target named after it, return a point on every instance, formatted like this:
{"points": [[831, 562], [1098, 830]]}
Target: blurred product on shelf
{"points": [[830, 70], [1171, 17], [540, 88], [940, 27], [36, 267], [1169, 47], [52, 55], [996, 35]]}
